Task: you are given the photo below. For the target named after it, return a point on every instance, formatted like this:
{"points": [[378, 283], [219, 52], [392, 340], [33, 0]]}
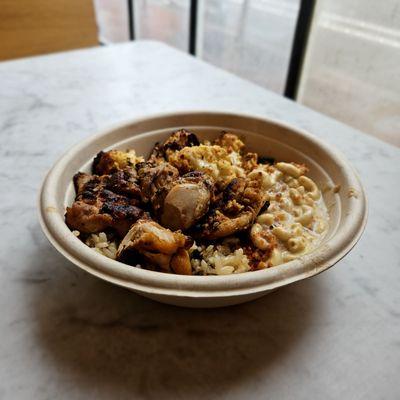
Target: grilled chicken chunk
{"points": [[178, 202], [125, 183], [235, 210], [187, 201], [87, 218], [156, 156], [155, 183], [102, 202], [80, 180], [121, 182], [157, 245]]}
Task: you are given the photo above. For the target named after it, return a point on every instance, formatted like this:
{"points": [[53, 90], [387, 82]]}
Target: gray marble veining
{"points": [[67, 335]]}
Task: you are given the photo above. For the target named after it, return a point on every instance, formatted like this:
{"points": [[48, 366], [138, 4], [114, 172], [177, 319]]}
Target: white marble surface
{"points": [[66, 335]]}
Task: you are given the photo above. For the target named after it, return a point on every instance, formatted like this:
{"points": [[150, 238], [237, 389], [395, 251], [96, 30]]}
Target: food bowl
{"points": [[341, 188]]}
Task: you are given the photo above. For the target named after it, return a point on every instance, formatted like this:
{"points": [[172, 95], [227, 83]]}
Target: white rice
{"points": [[215, 260], [101, 244], [219, 260]]}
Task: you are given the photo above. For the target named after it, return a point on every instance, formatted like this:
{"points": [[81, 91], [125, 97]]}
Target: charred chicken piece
{"points": [[114, 160], [235, 211], [218, 225], [156, 156], [124, 182], [97, 208], [155, 183], [80, 180], [177, 201], [157, 245], [187, 201], [87, 218]]}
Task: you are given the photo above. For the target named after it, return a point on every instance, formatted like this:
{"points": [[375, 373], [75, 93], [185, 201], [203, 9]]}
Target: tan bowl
{"points": [[347, 208]]}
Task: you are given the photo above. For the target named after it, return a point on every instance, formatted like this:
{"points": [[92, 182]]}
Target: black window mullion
{"points": [[192, 27], [131, 20], [299, 47]]}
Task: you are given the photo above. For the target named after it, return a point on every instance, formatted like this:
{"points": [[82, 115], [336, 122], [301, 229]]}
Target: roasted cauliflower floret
{"points": [[230, 142], [175, 142], [215, 161], [114, 160]]}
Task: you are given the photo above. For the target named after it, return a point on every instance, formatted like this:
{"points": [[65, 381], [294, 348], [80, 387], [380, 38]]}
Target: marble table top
{"points": [[67, 335]]}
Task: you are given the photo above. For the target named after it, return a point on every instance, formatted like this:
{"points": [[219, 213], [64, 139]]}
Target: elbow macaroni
{"points": [[296, 216]]}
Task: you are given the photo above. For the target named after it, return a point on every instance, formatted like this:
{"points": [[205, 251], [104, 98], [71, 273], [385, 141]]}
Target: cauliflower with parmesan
{"points": [[115, 160], [214, 160]]}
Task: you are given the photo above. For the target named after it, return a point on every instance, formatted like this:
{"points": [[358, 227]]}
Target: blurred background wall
{"points": [[32, 27]]}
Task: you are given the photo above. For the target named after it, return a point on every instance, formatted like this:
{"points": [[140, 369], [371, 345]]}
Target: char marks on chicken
{"points": [[235, 210], [106, 201], [155, 182]]}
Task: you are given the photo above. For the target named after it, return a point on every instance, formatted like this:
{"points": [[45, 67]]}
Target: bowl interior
{"points": [[347, 208], [260, 143]]}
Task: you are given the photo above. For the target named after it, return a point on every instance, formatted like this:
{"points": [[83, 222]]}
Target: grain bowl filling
{"points": [[197, 207]]}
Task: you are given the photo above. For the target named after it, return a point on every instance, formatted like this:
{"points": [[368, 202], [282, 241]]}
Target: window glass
{"points": [[164, 20], [251, 38], [112, 20], [351, 70]]}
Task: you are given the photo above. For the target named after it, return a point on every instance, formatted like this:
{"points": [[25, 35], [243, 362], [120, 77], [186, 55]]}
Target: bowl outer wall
{"points": [[176, 288]]}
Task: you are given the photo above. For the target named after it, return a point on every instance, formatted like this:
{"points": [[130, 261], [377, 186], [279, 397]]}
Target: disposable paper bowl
{"points": [[347, 208]]}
